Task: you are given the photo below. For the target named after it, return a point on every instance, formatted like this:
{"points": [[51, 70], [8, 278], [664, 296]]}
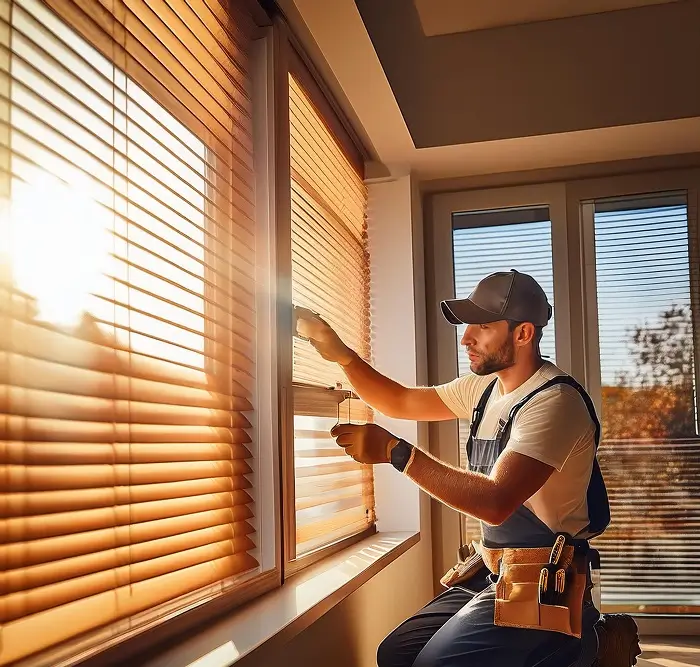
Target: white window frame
{"points": [[267, 491]]}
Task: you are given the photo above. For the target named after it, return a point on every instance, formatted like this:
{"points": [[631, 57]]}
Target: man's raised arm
{"points": [[380, 392]]}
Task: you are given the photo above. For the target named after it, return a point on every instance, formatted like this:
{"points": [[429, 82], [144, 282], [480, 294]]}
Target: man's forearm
{"points": [[375, 389], [466, 491]]}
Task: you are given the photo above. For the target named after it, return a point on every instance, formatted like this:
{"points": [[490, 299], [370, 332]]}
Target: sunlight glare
{"points": [[59, 245]]}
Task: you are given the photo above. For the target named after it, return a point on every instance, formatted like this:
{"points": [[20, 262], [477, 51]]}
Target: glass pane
{"points": [[650, 453], [485, 242]]}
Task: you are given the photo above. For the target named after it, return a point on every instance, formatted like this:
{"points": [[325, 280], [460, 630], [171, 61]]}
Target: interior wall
{"points": [[394, 341]]}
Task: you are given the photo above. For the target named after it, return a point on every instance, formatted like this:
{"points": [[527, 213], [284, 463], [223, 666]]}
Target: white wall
{"points": [[394, 334]]}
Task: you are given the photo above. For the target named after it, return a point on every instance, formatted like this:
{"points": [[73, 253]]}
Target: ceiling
{"points": [[442, 17], [577, 73], [546, 102]]}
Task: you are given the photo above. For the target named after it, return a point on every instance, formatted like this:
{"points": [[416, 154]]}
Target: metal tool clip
{"points": [[552, 581]]}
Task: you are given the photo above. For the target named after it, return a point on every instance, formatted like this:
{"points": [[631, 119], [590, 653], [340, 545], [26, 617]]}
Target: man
{"points": [[532, 477]]}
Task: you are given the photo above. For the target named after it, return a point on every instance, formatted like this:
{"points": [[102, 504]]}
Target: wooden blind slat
{"points": [[48, 404], [44, 575], [347, 528], [23, 336], [345, 520], [54, 549], [323, 484], [32, 601], [329, 498], [51, 502], [48, 478], [31, 373], [42, 430], [65, 453], [51, 627]]}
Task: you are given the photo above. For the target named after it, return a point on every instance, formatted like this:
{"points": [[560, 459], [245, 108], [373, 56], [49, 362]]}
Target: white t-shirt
{"points": [[554, 427]]}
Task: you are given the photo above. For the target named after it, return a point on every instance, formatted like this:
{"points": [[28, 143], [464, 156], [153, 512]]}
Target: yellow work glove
{"points": [[366, 443], [312, 326]]}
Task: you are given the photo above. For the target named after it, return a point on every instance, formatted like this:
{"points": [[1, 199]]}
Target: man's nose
{"points": [[468, 336]]}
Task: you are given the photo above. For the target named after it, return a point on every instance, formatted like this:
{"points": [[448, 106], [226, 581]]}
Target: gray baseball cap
{"points": [[507, 295]]}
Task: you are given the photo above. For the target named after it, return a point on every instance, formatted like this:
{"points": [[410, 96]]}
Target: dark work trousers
{"points": [[456, 629]]}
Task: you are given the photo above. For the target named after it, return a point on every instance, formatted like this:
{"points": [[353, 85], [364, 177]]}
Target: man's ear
{"points": [[524, 334]]}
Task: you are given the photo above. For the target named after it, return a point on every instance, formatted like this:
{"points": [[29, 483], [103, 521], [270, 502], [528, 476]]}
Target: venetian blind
{"points": [[485, 242], [127, 315], [330, 275], [647, 291]]}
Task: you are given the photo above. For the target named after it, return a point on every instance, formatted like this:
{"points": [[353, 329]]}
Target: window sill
{"points": [[283, 613]]}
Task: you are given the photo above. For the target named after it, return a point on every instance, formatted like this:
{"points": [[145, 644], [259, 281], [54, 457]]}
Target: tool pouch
{"points": [[541, 589]]}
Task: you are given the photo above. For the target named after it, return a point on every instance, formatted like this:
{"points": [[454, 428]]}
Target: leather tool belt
{"points": [[539, 588]]}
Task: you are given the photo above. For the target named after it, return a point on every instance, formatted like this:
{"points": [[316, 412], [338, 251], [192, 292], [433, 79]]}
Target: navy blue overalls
{"points": [[457, 628]]}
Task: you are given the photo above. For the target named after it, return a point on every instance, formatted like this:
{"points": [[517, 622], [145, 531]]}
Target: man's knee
{"points": [[385, 652], [402, 646], [392, 653]]}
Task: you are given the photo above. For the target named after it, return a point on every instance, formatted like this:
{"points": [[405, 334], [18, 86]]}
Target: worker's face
{"points": [[490, 347]]}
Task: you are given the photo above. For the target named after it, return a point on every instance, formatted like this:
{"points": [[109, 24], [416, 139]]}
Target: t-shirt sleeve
{"points": [[461, 395], [550, 426]]}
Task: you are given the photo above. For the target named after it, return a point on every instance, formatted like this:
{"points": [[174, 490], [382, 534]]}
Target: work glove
{"points": [[366, 443], [320, 334]]}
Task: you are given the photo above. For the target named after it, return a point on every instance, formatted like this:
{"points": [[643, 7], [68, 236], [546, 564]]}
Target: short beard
{"points": [[499, 360]]}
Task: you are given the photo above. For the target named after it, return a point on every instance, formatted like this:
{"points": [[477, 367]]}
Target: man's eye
{"points": [[483, 326]]}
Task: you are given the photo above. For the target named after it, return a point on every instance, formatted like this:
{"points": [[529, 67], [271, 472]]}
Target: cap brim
{"points": [[464, 311]]}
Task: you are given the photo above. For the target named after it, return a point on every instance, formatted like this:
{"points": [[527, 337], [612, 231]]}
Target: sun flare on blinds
{"points": [[481, 246], [330, 275], [127, 316], [650, 454]]}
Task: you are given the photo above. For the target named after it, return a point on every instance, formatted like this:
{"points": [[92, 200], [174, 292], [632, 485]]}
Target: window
{"points": [[127, 321], [485, 242], [646, 311], [334, 496]]}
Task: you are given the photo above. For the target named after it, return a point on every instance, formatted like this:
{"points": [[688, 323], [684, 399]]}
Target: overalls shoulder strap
{"points": [[597, 495], [559, 379], [478, 414]]}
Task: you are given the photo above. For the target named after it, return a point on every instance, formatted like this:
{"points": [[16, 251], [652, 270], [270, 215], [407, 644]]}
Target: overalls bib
{"points": [[523, 528], [472, 638]]}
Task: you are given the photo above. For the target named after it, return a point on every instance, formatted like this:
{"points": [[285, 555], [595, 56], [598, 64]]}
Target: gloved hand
{"points": [[322, 337], [366, 443]]}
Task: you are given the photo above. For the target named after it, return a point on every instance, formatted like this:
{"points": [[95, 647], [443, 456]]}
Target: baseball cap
{"points": [[506, 295]]}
